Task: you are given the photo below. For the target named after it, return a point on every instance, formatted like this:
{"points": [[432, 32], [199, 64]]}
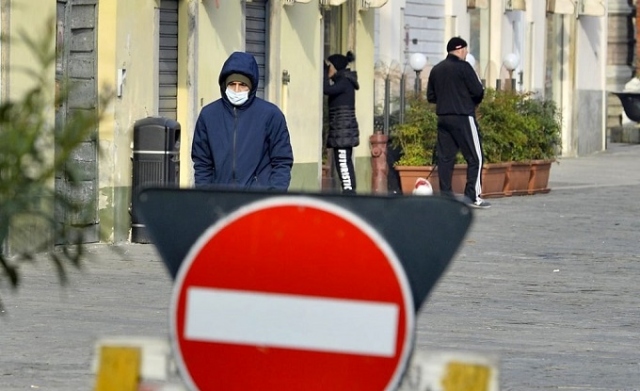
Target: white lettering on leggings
{"points": [[344, 170]]}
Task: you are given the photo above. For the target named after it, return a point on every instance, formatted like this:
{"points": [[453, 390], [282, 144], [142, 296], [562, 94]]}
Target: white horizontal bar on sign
{"points": [[291, 321]]}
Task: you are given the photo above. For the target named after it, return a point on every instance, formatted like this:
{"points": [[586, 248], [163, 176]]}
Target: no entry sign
{"points": [[292, 293]]}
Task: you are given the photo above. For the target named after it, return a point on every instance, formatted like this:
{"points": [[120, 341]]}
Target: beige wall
{"points": [[365, 68], [127, 41], [107, 46], [300, 53], [36, 20], [297, 49], [220, 33]]}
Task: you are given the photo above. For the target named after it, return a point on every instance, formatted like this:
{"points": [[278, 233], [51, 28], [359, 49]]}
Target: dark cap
{"points": [[339, 61], [456, 43]]}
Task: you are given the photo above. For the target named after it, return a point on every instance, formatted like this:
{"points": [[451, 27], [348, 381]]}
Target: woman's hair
{"points": [[340, 62], [350, 56]]}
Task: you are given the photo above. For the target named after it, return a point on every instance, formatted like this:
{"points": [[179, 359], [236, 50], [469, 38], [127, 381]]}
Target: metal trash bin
{"points": [[156, 162]]}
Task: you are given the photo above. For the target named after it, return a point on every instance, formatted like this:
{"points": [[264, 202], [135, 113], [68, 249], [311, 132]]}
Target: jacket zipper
{"points": [[235, 132]]}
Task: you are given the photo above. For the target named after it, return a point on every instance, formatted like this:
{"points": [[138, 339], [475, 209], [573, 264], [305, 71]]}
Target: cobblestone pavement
{"points": [[548, 283]]}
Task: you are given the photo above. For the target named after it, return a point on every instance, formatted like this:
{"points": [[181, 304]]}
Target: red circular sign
{"points": [[292, 293]]}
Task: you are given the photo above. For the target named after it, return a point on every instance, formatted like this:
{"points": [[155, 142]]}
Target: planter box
{"points": [[498, 179], [409, 174], [517, 181], [539, 179], [494, 176]]}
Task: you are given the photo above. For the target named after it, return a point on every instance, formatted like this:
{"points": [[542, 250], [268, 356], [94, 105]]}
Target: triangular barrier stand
{"points": [[424, 232]]}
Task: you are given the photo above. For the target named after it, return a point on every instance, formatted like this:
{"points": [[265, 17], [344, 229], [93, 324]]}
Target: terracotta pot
{"points": [[459, 180], [517, 182], [539, 180], [409, 174], [493, 179]]}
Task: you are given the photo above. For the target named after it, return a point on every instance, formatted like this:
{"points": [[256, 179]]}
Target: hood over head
{"points": [[241, 63]]}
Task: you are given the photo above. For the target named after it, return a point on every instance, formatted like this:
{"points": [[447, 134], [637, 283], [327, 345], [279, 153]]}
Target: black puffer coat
{"points": [[343, 125]]}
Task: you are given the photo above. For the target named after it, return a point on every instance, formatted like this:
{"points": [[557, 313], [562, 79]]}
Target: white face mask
{"points": [[237, 98]]}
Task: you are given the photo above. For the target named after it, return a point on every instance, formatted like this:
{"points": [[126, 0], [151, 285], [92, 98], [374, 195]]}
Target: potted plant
{"points": [[524, 130], [518, 131], [504, 139], [544, 140]]}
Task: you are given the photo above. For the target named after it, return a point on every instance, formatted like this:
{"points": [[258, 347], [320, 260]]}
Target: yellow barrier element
{"points": [[461, 376], [431, 370], [119, 369]]}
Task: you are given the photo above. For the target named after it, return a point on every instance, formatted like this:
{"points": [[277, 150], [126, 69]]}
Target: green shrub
{"points": [[513, 127], [545, 133], [502, 127], [417, 136]]}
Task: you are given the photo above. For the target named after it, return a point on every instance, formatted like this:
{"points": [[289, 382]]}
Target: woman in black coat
{"points": [[340, 85]]}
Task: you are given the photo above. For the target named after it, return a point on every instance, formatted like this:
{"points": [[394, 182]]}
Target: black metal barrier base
{"points": [[424, 232]]}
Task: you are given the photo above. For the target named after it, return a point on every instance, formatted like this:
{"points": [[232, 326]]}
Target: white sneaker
{"points": [[480, 204]]}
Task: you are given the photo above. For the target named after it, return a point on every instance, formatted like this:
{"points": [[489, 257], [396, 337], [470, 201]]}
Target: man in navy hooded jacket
{"points": [[240, 140]]}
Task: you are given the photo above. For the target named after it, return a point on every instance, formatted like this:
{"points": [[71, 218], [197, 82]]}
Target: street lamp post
{"points": [[511, 62], [417, 61]]}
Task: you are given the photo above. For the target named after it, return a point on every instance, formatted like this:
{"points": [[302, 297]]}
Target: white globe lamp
{"points": [[417, 61], [511, 62]]}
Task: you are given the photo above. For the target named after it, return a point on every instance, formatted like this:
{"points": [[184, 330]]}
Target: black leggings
{"points": [[344, 165]]}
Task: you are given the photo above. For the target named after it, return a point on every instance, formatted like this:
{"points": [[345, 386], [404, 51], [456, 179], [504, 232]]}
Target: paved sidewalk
{"points": [[548, 283]]}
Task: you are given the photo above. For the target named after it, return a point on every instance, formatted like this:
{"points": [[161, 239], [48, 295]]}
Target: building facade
{"points": [[163, 58], [560, 47]]}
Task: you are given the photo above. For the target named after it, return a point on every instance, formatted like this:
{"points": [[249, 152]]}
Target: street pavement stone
{"points": [[548, 283]]}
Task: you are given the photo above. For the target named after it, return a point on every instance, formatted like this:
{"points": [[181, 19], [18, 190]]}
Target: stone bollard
{"points": [[379, 167]]}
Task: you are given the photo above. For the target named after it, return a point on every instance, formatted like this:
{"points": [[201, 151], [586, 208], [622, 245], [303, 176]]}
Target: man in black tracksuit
{"points": [[456, 90]]}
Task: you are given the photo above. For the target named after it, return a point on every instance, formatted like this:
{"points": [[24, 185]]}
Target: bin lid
{"points": [[157, 121]]}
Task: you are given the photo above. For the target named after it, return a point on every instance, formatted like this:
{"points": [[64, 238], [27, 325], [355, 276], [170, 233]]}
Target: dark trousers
{"points": [[344, 164], [459, 133]]}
